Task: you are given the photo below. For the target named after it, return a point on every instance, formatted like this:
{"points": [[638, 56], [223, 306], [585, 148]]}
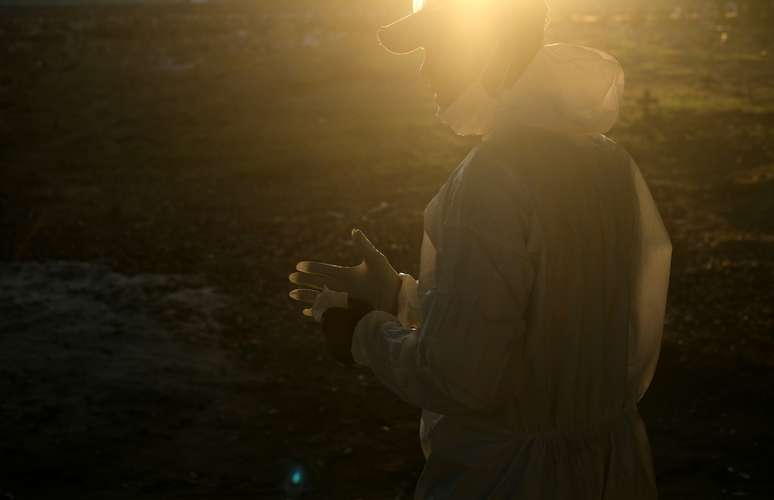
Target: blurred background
{"points": [[164, 165]]}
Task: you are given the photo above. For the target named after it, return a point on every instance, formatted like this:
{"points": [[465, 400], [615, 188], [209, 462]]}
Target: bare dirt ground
{"points": [[162, 170]]}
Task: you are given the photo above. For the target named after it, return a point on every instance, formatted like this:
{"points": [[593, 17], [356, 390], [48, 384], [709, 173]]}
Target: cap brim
{"points": [[404, 35]]}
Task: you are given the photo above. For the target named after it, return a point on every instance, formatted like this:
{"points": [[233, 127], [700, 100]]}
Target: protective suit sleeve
{"points": [[473, 318], [650, 289]]}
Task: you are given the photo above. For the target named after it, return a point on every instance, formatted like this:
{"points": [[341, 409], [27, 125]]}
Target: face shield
{"points": [[506, 34], [496, 20]]}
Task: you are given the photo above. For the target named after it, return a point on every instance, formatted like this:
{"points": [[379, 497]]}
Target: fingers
{"points": [[304, 295], [317, 281], [312, 267]]}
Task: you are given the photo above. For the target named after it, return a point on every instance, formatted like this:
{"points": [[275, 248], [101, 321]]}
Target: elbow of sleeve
{"points": [[483, 404], [472, 395], [476, 380], [478, 404]]}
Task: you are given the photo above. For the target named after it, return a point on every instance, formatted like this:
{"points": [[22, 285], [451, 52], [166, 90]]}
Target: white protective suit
{"points": [[535, 325]]}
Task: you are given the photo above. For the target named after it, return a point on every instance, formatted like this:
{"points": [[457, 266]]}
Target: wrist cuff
{"points": [[407, 298]]}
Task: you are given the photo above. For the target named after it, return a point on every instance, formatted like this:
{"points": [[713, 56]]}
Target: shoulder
{"points": [[487, 178], [486, 195], [497, 172]]}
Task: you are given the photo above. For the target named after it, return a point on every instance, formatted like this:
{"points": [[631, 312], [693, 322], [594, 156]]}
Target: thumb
{"points": [[364, 245]]}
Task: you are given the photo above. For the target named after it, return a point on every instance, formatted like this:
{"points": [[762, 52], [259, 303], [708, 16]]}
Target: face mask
{"points": [[472, 113]]}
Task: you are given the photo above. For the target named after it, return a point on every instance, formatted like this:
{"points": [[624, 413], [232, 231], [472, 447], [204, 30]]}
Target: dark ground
{"points": [[162, 170]]}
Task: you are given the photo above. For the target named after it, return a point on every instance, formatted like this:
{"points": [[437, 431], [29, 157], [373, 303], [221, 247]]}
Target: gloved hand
{"points": [[339, 316], [373, 281]]}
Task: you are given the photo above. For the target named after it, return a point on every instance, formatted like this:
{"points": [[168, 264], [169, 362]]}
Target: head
{"points": [[469, 40]]}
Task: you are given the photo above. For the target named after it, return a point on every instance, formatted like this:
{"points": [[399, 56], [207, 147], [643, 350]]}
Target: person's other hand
{"points": [[338, 317], [373, 281], [338, 327], [319, 301]]}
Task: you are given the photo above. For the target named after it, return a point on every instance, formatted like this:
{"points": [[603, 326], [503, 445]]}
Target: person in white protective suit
{"points": [[535, 325]]}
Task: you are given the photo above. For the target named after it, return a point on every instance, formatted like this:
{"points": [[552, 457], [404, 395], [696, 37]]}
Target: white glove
{"points": [[374, 280], [325, 300], [321, 301]]}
